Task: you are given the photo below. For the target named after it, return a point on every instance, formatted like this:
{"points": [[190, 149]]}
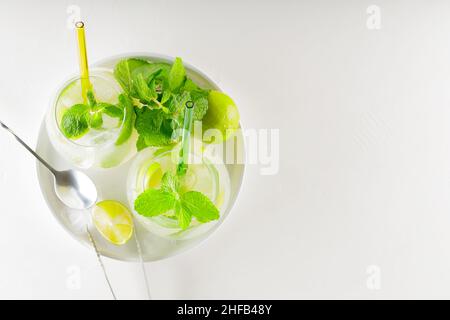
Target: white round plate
{"points": [[112, 183]]}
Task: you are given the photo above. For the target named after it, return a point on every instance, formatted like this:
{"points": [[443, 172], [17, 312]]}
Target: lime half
{"points": [[222, 115], [113, 220]]}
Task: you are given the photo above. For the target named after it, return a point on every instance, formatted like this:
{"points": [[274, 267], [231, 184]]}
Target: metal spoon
{"points": [[74, 188]]}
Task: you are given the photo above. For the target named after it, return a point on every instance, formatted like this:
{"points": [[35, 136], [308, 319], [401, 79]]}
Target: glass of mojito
{"points": [[95, 131], [178, 206]]}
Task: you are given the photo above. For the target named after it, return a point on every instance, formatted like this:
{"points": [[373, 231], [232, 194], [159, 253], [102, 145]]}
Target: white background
{"points": [[364, 173]]}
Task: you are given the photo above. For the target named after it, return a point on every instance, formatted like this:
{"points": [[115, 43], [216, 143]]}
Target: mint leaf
{"points": [[199, 206], [154, 202], [148, 125], [111, 110], [177, 74], [166, 95], [184, 217], [141, 144], [169, 182], [200, 99], [95, 120], [123, 72], [144, 92], [126, 105], [190, 85], [153, 71], [91, 98], [74, 122], [178, 102], [169, 127], [126, 71]]}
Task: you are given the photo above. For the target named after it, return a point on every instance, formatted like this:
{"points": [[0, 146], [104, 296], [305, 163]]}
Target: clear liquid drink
{"points": [[98, 147], [205, 175]]}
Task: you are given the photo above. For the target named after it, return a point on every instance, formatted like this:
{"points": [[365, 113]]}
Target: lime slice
{"points": [[153, 176], [222, 115], [128, 124], [113, 220]]}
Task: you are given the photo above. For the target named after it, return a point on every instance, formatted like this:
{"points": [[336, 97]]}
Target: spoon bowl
{"points": [[75, 189]]}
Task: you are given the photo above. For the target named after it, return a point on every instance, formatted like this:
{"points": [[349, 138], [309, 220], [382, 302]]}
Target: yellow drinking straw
{"points": [[84, 68]]}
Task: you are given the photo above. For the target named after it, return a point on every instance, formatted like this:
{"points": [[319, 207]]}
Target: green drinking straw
{"points": [[185, 141]]}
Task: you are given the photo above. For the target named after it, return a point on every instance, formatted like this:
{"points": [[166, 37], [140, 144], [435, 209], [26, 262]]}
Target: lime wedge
{"points": [[113, 220], [222, 115], [128, 125], [153, 176]]}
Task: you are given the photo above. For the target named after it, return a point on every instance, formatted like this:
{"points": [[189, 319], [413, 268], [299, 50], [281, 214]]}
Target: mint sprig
{"points": [[80, 118], [185, 206], [159, 92]]}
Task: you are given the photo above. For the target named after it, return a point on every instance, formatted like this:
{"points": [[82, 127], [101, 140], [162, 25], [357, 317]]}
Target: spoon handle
{"points": [[45, 163], [100, 261]]}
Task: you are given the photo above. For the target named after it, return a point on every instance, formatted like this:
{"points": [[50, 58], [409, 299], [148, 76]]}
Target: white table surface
{"points": [[364, 177]]}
